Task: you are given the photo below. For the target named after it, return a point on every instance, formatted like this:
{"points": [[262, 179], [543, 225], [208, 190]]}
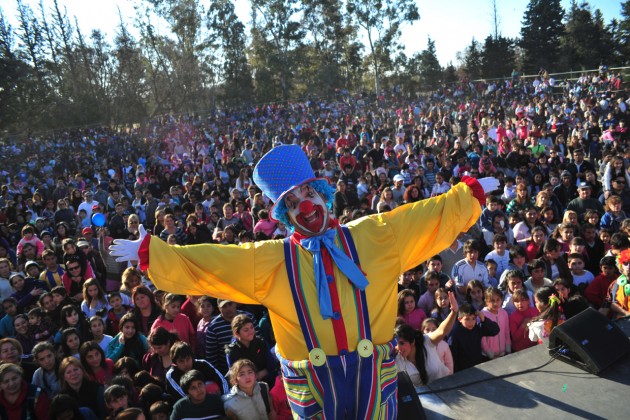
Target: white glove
{"points": [[489, 184], [126, 249]]}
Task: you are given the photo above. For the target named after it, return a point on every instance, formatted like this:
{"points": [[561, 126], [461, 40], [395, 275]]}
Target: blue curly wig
{"points": [[279, 212]]}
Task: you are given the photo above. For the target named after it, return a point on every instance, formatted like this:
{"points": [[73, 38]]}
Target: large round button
{"points": [[336, 316], [365, 348], [317, 357], [330, 278]]}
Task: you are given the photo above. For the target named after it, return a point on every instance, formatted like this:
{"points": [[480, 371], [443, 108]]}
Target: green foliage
{"points": [[540, 34], [201, 56], [585, 42], [498, 57]]}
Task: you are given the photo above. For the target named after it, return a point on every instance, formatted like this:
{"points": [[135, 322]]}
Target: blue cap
{"points": [[282, 169]]}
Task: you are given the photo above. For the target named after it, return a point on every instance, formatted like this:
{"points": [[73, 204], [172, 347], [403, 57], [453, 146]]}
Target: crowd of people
{"points": [[76, 324]]}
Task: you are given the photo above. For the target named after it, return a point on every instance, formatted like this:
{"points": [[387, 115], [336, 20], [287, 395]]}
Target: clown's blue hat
{"points": [[282, 169]]}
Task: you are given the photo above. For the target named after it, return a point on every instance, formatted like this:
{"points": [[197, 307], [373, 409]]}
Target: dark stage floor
{"points": [[556, 391]]}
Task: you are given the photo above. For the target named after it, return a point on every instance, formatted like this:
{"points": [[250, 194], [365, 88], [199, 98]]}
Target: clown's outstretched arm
{"points": [[238, 273], [417, 231]]}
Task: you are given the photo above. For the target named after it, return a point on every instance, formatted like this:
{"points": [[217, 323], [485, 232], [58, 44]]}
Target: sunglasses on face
{"points": [[76, 267]]}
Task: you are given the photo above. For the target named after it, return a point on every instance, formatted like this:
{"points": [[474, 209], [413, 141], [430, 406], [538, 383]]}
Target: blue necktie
{"points": [[345, 264]]}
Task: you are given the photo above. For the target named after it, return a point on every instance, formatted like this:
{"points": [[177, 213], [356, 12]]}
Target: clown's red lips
{"points": [[311, 216]]}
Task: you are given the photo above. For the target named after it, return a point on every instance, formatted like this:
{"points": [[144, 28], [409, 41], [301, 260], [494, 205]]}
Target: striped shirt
{"points": [[218, 336]]}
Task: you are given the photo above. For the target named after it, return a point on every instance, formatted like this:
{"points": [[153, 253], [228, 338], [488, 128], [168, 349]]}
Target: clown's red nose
{"points": [[306, 207]]}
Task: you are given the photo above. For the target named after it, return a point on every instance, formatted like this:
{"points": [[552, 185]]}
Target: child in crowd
{"points": [[581, 277], [597, 291], [9, 306], [158, 361], [116, 311], [182, 356], [206, 309], [248, 399], [614, 214], [605, 235], [70, 342], [491, 266], [97, 367], [469, 268], [129, 341], [94, 299], [444, 351], [53, 271], [475, 294], [564, 288], [408, 310], [29, 237], [442, 306], [519, 319], [500, 344], [197, 403], [537, 277], [499, 255], [248, 346], [47, 374], [23, 334], [71, 317], [488, 213], [514, 282], [427, 300], [550, 307], [465, 339], [160, 410], [116, 399], [174, 321], [97, 328], [41, 326]]}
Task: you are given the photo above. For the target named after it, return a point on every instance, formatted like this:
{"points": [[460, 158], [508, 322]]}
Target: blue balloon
{"points": [[98, 219]]}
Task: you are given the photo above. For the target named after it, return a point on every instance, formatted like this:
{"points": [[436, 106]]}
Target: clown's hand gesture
{"points": [[126, 249]]}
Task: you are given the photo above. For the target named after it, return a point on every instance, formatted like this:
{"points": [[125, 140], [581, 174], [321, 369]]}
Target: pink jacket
{"points": [[415, 318], [35, 241], [180, 325], [501, 343]]}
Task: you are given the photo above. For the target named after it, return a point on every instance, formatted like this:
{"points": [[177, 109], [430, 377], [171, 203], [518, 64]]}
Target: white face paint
{"points": [[307, 211]]}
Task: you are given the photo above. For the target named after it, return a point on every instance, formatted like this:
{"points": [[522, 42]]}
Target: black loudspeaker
{"points": [[409, 405], [589, 340]]}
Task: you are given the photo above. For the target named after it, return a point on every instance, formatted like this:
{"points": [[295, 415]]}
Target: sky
{"points": [[452, 24]]}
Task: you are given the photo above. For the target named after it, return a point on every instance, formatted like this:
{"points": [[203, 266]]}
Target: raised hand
{"points": [[127, 250], [489, 184]]}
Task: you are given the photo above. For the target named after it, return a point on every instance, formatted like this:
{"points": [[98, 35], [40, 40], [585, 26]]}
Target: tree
{"points": [[228, 35], [622, 35], [429, 66], [382, 22], [277, 38], [585, 42], [497, 58], [540, 34], [471, 60]]}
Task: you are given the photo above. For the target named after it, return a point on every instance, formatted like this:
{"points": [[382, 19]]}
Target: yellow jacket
{"points": [[388, 244]]}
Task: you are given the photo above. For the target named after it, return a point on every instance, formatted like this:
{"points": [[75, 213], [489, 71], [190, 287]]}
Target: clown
{"points": [[620, 290], [331, 290]]}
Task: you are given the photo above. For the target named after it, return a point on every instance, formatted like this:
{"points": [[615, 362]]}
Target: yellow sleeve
{"points": [[415, 232], [239, 273]]}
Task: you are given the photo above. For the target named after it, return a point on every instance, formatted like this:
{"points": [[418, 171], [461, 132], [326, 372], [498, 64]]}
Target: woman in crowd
{"points": [[76, 384]]}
